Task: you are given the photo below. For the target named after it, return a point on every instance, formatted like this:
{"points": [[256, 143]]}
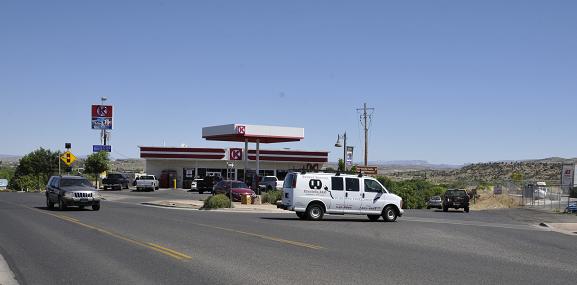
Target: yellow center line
{"points": [[291, 242], [182, 255], [166, 251]]}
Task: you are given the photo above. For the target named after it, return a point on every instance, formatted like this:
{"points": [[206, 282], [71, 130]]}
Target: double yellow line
{"points": [[155, 247]]}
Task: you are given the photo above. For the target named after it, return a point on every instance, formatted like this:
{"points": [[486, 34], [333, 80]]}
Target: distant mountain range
{"points": [[9, 158], [415, 163]]}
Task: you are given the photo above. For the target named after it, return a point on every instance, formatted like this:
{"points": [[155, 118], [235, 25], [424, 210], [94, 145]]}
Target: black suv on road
{"points": [[456, 199], [71, 191]]}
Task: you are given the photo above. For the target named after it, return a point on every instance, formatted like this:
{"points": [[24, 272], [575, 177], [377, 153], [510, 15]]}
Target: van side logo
{"points": [[315, 184]]}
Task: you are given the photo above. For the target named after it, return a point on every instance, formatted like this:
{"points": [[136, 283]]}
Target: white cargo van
{"points": [[311, 195]]}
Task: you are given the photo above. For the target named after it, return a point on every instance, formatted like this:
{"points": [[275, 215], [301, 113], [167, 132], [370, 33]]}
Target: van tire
{"points": [[373, 218], [315, 212], [389, 214], [466, 209], [301, 215]]}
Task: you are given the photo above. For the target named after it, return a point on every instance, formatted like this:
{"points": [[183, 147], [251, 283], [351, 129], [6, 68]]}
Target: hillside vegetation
{"points": [[535, 170]]}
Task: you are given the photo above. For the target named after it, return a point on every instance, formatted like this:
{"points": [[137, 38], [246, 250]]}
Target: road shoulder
{"points": [[7, 277]]}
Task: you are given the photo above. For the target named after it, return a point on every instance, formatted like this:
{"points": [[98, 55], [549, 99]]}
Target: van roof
{"points": [[330, 174]]}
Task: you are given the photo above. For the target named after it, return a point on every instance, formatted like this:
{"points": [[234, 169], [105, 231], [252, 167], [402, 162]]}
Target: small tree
{"points": [[353, 169], [97, 163], [38, 166], [341, 165]]}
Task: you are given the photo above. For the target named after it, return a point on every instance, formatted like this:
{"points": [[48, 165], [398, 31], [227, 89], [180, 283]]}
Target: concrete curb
{"points": [[564, 228], [180, 206], [7, 277]]}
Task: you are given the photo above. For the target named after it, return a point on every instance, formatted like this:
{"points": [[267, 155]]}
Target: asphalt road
{"points": [[127, 243]]}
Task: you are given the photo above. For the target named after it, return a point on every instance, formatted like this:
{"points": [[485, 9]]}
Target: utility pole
{"points": [[366, 116]]}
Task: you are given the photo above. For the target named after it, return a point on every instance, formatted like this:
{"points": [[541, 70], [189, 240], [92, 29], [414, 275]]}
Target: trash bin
{"points": [[245, 200]]}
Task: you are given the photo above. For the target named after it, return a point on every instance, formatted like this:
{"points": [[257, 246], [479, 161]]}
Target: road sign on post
{"points": [[369, 170], [99, 148], [68, 158]]}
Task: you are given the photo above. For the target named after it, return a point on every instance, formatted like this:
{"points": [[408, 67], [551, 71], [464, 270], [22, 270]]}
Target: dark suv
{"points": [[115, 181], [71, 191], [456, 199]]}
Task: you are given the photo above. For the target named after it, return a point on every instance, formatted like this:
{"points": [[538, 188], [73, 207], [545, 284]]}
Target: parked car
{"points": [[194, 185], [269, 183], [456, 199], [541, 191], [207, 183], [115, 181], [238, 188], [311, 195], [435, 202], [147, 183], [71, 191]]}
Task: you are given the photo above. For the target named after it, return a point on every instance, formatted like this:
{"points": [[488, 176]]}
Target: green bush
{"points": [[271, 196], [415, 193], [216, 201]]}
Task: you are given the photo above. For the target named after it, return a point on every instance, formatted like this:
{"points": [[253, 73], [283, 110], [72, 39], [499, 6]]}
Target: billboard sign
{"points": [[101, 111], [369, 170], [349, 155], [568, 175], [99, 148], [99, 123]]}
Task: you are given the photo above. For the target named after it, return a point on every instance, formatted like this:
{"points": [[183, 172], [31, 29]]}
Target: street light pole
{"points": [[345, 151], [344, 145]]}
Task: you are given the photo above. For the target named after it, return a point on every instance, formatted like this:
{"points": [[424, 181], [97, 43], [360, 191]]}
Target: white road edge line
{"points": [[7, 277]]}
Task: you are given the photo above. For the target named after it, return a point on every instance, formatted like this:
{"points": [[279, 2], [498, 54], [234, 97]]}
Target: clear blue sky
{"points": [[451, 81]]}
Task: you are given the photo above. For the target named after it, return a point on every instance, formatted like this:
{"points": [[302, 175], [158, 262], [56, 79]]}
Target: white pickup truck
{"points": [[147, 183], [269, 183]]}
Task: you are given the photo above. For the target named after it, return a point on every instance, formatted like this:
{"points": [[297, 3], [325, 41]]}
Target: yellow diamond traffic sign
{"points": [[68, 158]]}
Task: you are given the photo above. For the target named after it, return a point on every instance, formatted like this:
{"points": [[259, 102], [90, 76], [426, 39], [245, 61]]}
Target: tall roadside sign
{"points": [[569, 179], [101, 119]]}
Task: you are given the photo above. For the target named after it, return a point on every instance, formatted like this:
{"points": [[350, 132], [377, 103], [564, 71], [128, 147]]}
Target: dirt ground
{"points": [[488, 200]]}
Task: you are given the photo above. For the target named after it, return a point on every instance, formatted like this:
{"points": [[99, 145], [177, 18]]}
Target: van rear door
{"points": [[288, 189]]}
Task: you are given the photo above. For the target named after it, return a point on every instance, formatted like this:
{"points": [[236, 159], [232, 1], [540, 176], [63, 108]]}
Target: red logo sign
{"points": [[236, 154], [101, 111], [240, 130]]}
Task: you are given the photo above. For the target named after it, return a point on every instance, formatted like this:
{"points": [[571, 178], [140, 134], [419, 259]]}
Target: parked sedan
{"points": [[238, 188], [435, 202]]}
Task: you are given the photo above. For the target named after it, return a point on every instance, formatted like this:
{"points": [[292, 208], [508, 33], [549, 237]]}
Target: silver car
{"points": [[435, 202], [71, 191]]}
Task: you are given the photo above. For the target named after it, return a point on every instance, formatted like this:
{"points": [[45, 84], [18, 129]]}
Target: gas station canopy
{"points": [[253, 133]]}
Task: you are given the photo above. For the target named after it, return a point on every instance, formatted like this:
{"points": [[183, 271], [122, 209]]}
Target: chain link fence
{"points": [[547, 195]]}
